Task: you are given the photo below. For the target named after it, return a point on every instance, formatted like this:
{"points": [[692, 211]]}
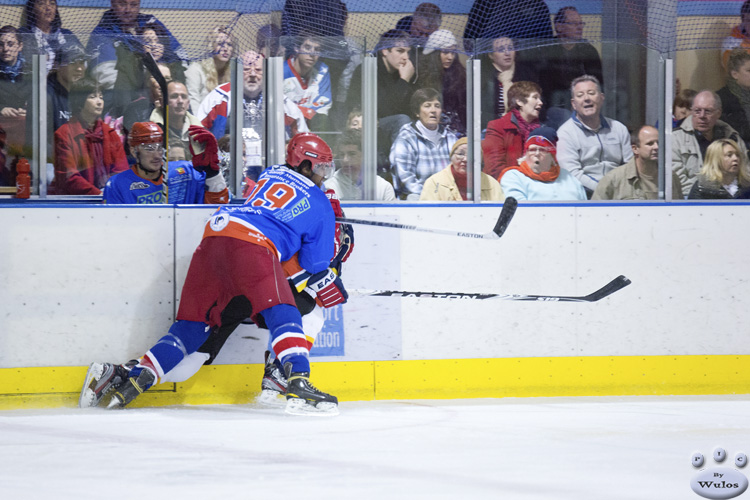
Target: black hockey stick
{"points": [[509, 209], [608, 289]]}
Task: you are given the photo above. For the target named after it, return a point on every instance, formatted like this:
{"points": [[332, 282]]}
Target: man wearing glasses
{"points": [[571, 57], [196, 182], [691, 139]]}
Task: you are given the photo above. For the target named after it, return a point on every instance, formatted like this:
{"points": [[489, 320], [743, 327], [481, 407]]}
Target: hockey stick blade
{"points": [[616, 284], [506, 215], [509, 209]]}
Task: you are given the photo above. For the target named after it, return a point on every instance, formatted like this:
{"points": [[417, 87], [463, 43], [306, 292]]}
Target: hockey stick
{"points": [[509, 209], [150, 63], [608, 289]]}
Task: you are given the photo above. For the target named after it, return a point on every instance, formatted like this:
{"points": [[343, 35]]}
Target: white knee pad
{"points": [[312, 323], [186, 368]]}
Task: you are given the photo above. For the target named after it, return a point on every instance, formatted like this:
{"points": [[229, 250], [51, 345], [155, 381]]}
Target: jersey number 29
{"points": [[274, 196]]}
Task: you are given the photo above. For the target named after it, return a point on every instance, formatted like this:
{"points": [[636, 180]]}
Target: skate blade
{"points": [[87, 399], [271, 399], [296, 406]]}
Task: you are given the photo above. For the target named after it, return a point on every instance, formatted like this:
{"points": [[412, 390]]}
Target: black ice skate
{"points": [[101, 379], [303, 398], [131, 389], [273, 387]]}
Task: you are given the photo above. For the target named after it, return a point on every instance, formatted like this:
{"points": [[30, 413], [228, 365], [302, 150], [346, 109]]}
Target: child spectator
{"points": [[346, 182], [681, 106], [354, 121]]}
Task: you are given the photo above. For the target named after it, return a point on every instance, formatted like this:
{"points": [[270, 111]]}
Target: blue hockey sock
{"points": [[287, 338], [184, 338]]}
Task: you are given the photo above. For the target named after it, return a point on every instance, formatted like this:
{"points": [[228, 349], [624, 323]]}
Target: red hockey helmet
{"points": [[307, 146], [145, 133]]}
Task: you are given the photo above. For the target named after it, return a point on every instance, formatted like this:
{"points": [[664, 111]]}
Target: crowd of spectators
{"points": [[528, 88]]}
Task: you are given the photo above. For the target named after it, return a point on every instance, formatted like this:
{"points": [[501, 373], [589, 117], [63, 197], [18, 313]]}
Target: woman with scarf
{"points": [[450, 183], [503, 143], [735, 96], [87, 150], [724, 175], [538, 176], [42, 32]]}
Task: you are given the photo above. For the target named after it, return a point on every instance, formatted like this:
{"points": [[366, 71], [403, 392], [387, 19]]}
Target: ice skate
{"points": [[131, 389], [101, 379], [273, 387], [303, 398]]}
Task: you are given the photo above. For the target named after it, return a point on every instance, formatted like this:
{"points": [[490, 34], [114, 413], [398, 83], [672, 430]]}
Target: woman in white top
{"points": [[205, 75]]}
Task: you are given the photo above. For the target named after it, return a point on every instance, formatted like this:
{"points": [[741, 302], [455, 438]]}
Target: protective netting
{"points": [[662, 25]]}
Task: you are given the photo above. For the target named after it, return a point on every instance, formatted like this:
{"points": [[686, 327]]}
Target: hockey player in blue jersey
{"points": [[240, 256], [274, 383], [188, 182]]}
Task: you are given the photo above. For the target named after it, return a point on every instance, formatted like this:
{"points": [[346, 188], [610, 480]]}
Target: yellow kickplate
{"points": [[44, 387]]}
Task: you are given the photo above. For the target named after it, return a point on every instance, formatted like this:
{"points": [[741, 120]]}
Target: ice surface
{"points": [[547, 448]]}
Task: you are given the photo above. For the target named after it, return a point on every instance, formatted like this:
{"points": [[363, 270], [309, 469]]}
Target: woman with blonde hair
{"points": [[205, 75], [725, 174]]}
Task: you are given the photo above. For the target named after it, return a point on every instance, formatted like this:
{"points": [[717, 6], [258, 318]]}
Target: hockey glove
{"points": [[335, 203], [344, 242], [205, 150], [327, 287], [344, 245]]}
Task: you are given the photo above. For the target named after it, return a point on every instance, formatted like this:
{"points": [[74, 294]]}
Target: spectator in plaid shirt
{"points": [[422, 147]]}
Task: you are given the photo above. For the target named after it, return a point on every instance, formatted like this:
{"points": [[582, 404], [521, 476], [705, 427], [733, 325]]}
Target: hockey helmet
{"points": [[308, 146], [145, 133]]}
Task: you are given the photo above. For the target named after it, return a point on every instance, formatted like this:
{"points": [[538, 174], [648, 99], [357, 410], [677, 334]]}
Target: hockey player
{"points": [[239, 260], [189, 182], [274, 383]]}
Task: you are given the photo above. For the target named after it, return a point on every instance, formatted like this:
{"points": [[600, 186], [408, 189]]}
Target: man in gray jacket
{"points": [[589, 144], [695, 133]]}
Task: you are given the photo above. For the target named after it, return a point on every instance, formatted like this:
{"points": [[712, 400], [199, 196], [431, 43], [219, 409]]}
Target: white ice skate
{"points": [[101, 379], [273, 387]]}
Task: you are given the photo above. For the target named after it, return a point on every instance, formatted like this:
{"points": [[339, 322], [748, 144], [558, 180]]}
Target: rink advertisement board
{"points": [[332, 338]]}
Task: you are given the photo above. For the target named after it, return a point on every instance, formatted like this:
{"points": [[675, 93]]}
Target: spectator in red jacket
{"points": [[503, 143], [87, 150]]}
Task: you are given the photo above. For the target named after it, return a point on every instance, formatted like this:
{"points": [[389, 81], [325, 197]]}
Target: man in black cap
{"points": [[71, 66]]}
